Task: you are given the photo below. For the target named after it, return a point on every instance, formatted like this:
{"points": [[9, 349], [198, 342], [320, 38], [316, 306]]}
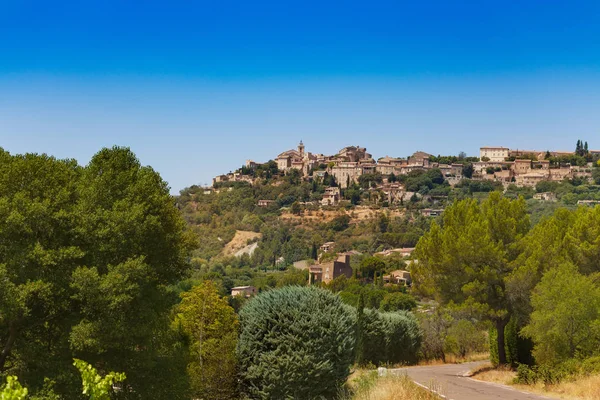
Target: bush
{"points": [[397, 301], [389, 337], [295, 342]]}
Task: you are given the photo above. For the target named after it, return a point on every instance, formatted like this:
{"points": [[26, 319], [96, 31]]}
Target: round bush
{"points": [[295, 342]]}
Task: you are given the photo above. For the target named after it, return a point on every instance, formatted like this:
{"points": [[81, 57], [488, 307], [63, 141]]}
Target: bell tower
{"points": [[301, 149]]}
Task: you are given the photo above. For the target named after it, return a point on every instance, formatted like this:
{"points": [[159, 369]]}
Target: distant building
{"points": [[266, 203], [588, 202], [404, 252], [430, 212], [398, 277], [326, 272], [497, 154], [331, 196], [545, 196], [245, 291], [327, 247]]}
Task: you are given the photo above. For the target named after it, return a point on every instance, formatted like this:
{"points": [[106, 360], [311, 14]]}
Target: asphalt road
{"points": [[449, 382]]}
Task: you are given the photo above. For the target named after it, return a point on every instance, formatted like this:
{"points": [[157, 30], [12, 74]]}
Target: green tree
{"points": [[286, 349], [565, 321], [12, 390], [467, 260], [87, 256], [371, 266], [397, 301], [210, 325], [94, 385]]}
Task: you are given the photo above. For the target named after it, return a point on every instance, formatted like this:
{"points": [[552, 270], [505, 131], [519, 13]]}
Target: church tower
{"points": [[301, 149]]}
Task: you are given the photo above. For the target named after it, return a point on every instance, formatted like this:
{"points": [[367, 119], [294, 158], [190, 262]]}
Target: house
{"points": [[545, 196], [328, 271], [245, 291], [531, 179], [331, 196], [266, 203], [419, 158], [495, 154], [346, 172], [404, 252], [429, 212], [398, 277], [588, 202], [327, 247]]}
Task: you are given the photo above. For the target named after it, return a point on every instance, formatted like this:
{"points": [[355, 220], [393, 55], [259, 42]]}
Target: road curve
{"points": [[450, 382]]}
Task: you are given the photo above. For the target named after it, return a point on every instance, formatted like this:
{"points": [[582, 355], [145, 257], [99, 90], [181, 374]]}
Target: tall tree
{"points": [[467, 259], [211, 327], [565, 321], [87, 256]]}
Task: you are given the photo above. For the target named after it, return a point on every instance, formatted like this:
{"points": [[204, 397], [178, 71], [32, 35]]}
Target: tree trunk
{"points": [[12, 336], [500, 325]]}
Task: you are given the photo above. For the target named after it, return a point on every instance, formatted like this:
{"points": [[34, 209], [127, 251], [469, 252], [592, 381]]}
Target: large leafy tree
{"points": [[466, 260], [566, 237], [86, 257], [565, 321], [210, 325]]}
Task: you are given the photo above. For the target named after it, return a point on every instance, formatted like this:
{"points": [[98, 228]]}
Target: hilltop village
{"points": [[386, 177]]}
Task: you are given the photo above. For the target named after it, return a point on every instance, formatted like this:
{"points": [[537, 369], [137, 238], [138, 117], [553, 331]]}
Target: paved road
{"points": [[450, 382]]}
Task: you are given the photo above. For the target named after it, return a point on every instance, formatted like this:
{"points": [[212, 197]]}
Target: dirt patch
{"points": [[240, 241]]}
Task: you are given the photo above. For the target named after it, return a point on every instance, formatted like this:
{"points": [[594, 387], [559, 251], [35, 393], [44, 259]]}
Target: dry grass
{"points": [[452, 359], [391, 388], [488, 373], [583, 388]]}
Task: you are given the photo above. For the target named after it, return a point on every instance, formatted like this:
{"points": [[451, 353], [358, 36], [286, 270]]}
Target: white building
{"points": [[495, 154]]}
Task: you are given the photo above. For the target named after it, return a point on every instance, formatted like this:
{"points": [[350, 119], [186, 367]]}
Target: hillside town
{"points": [[523, 168]]}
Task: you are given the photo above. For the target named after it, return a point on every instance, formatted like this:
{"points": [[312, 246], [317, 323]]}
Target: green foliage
{"points": [[389, 337], [295, 342], [466, 261], [12, 390], [210, 326], [565, 321], [463, 338], [397, 301], [94, 385], [87, 254]]}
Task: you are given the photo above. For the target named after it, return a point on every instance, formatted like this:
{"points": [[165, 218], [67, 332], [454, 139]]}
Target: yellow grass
{"points": [[452, 359], [582, 388], [390, 388]]}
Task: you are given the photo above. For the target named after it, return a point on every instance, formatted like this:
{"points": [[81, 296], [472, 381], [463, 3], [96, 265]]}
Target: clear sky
{"points": [[197, 87]]}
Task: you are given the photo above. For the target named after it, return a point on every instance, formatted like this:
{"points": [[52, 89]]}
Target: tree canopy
{"points": [[466, 259]]}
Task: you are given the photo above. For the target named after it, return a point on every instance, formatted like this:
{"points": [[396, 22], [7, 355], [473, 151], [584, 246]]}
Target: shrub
{"points": [[390, 337], [295, 342], [397, 301]]}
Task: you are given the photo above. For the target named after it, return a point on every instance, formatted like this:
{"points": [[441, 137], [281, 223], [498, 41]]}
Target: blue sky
{"points": [[195, 88]]}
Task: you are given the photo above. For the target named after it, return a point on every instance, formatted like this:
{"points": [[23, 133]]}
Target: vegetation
{"points": [[466, 261], [210, 327], [88, 254], [295, 342]]}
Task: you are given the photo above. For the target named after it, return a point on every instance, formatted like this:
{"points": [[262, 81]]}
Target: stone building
{"points": [[498, 154], [326, 272]]}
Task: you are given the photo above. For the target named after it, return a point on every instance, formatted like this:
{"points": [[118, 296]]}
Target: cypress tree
{"points": [[360, 341]]}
